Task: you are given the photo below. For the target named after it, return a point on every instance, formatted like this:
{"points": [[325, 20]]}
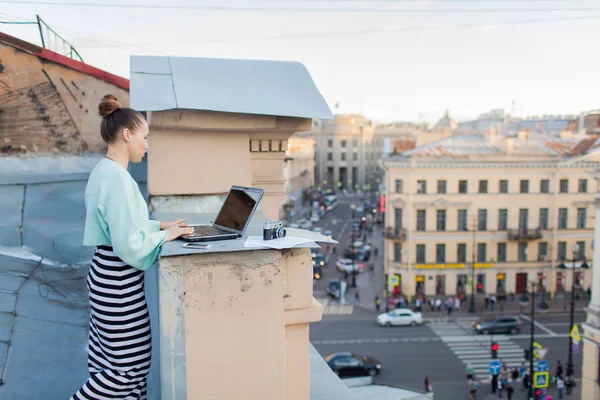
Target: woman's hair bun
{"points": [[108, 105]]}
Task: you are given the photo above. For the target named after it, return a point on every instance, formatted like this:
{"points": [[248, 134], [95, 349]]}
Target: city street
{"points": [[441, 347]]}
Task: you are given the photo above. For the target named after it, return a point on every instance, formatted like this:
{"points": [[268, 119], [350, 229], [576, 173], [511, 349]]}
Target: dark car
{"points": [[351, 364], [502, 324]]}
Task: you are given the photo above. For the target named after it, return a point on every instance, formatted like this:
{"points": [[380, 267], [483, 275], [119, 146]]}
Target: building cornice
{"points": [[413, 164]]}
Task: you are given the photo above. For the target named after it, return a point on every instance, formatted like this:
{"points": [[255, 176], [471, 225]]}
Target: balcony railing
{"points": [[524, 234], [395, 233]]}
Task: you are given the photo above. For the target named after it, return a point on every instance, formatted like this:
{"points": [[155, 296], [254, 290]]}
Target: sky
{"points": [[391, 60]]}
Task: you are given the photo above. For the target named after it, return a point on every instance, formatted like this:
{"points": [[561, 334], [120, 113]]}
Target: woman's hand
{"points": [[175, 231], [179, 223]]}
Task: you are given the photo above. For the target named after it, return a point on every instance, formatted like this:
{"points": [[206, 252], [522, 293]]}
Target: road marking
{"points": [[378, 341], [565, 324], [539, 325]]}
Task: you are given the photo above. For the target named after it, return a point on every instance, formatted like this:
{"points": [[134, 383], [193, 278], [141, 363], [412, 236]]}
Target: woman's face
{"points": [[138, 143]]}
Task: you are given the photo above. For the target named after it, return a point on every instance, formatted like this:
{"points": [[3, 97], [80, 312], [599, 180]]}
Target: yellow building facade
{"points": [[510, 207]]}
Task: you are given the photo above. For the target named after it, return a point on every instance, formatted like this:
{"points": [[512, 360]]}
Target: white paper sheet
{"points": [[283, 243]]}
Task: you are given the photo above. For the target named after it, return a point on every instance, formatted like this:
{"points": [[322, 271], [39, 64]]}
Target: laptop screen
{"points": [[237, 209]]}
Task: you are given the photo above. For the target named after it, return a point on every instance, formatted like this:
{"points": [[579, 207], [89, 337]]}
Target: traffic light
{"points": [[494, 350], [526, 355]]}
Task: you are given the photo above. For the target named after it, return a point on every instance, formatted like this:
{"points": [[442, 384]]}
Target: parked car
{"points": [[347, 265], [294, 225], [317, 230], [348, 364], [333, 289], [328, 233], [400, 317], [305, 224], [502, 324], [314, 218]]}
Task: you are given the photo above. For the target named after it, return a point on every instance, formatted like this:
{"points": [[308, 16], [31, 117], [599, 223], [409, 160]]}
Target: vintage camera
{"points": [[273, 230]]}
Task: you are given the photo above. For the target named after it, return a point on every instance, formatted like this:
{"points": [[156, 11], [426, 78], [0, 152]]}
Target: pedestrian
{"points": [[522, 369], [559, 369], [514, 376], [526, 381], [432, 303], [377, 303], [509, 391], [457, 303], [427, 384], [127, 243], [500, 387], [356, 298], [469, 371], [449, 305], [487, 302], [472, 385], [371, 268], [492, 302], [560, 386], [375, 251], [570, 383], [438, 304]]}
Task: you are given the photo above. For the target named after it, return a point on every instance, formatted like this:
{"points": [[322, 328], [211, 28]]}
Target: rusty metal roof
{"points": [[478, 146]]}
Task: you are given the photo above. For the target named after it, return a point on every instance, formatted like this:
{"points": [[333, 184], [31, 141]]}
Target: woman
{"points": [[127, 243], [427, 384]]}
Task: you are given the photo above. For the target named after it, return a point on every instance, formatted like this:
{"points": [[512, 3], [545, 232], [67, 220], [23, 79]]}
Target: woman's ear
{"points": [[126, 133]]}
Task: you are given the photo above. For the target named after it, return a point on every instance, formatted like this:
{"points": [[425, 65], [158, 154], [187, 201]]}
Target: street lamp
{"points": [[472, 307], [575, 250]]}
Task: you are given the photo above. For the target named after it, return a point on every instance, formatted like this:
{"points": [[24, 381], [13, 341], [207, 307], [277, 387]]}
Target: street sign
{"points": [[538, 351], [575, 333], [542, 366], [495, 367], [576, 347], [540, 379]]}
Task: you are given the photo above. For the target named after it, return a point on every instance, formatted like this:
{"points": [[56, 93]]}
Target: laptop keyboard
{"points": [[208, 231]]}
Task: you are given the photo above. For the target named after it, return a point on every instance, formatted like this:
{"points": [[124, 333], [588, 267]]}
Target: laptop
{"points": [[233, 218]]}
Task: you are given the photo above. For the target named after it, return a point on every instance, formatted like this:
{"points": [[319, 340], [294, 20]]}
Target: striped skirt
{"points": [[119, 346]]}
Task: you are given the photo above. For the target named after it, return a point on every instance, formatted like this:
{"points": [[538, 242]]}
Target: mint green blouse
{"points": [[117, 216]]}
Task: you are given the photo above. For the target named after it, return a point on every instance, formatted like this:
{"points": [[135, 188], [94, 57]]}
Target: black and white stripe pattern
{"points": [[119, 342]]}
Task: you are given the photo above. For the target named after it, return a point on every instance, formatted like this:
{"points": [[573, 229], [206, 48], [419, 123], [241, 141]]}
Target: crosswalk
{"points": [[332, 307], [476, 349]]}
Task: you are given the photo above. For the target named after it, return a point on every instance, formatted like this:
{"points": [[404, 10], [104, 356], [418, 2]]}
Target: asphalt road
{"points": [[438, 349]]}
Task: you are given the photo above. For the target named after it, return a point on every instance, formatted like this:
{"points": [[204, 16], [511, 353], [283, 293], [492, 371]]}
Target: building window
{"points": [[397, 252], [503, 186], [564, 186], [561, 281], [355, 143], [398, 217], [343, 143], [581, 251], [581, 216], [523, 251], [483, 186], [582, 186], [399, 186], [441, 187], [562, 218], [462, 187], [421, 221], [502, 219], [421, 187], [462, 220], [343, 156], [543, 218], [545, 186], [440, 253], [481, 252], [523, 218], [524, 186], [441, 220], [461, 253], [542, 251], [354, 156], [561, 252], [501, 252], [420, 254], [330, 144], [482, 220]]}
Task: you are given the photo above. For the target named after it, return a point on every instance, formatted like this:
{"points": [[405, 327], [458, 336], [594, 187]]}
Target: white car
{"points": [[314, 218], [304, 224], [317, 230], [400, 317], [347, 265]]}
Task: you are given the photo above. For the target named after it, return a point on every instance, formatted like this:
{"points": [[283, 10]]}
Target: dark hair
{"points": [[115, 118]]}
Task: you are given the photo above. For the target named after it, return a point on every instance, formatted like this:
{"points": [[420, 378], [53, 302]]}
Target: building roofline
{"points": [[49, 55]]}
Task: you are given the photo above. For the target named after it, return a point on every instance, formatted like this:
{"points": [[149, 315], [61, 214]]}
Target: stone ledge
{"points": [[312, 313]]}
